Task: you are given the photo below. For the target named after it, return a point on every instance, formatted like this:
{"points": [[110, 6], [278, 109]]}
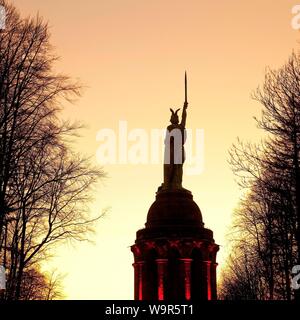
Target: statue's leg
{"points": [[177, 179], [166, 175], [180, 173]]}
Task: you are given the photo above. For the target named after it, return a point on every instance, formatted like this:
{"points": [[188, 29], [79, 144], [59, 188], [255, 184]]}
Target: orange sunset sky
{"points": [[131, 55]]}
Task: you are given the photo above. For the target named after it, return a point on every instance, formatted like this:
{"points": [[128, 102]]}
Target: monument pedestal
{"points": [[175, 256]]}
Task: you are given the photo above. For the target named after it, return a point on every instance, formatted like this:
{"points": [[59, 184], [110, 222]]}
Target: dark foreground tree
{"points": [[40, 286], [44, 186], [268, 219]]}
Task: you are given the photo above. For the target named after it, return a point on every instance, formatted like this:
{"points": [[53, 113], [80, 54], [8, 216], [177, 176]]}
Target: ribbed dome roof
{"points": [[174, 208]]}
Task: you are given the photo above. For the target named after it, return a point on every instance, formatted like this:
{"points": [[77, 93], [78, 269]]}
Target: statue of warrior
{"points": [[174, 155]]}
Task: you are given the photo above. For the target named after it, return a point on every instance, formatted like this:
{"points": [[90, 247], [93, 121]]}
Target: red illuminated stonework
{"points": [[175, 256]]}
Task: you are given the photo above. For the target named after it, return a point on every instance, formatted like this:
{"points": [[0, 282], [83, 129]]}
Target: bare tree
{"points": [[39, 286], [269, 172], [44, 186]]}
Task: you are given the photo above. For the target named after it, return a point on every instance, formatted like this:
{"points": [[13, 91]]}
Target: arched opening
{"points": [[198, 282], [175, 283], [150, 276]]}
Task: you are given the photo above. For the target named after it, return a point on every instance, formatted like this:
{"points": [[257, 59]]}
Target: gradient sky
{"points": [[131, 55]]}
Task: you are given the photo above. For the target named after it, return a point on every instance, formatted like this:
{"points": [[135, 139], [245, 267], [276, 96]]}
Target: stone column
{"points": [[208, 279], [138, 280], [214, 281], [161, 274], [187, 277]]}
